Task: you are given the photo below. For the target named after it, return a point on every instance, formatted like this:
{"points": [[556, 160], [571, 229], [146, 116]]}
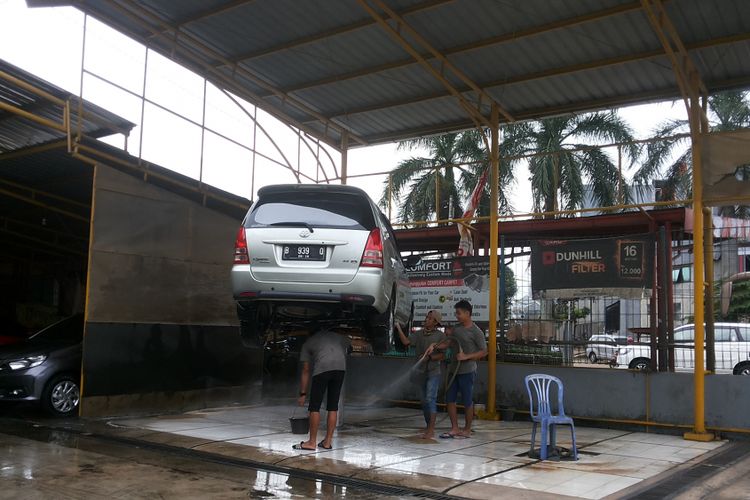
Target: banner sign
{"points": [[439, 284], [608, 266]]}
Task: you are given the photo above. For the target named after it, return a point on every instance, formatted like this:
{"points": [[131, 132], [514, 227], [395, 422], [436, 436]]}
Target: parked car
{"points": [[45, 368], [731, 350], [318, 252], [604, 347]]}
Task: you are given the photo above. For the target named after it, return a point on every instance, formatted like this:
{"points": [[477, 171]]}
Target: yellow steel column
{"points": [[344, 153], [492, 348], [697, 125]]}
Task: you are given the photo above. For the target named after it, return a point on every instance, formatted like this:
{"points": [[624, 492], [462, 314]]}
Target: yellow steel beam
{"points": [[344, 156], [33, 201], [488, 42], [494, 186], [203, 14], [692, 89], [473, 110], [46, 206], [550, 73], [20, 153], [32, 117], [330, 33], [31, 88], [688, 77], [35, 193]]}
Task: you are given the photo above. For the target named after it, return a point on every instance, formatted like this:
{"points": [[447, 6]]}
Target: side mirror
{"points": [[412, 260]]}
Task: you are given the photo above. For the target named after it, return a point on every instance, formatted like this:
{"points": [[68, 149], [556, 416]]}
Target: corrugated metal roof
{"points": [[328, 67]]}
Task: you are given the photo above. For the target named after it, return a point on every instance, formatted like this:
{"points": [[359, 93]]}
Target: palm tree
{"points": [[441, 171], [671, 159], [558, 177]]}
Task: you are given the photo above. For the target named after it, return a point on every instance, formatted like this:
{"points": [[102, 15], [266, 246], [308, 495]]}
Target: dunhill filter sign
{"points": [[575, 268]]}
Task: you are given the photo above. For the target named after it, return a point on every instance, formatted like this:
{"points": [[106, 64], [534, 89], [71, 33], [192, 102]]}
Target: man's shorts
{"points": [[330, 382], [464, 382]]}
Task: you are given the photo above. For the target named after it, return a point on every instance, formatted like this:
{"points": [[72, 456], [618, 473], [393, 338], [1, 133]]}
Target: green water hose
{"points": [[448, 380]]}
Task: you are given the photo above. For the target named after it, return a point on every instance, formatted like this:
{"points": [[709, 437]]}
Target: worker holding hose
{"points": [[471, 347], [427, 368]]}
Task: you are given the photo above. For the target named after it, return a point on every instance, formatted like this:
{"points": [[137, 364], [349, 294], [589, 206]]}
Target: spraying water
{"points": [[388, 391]]}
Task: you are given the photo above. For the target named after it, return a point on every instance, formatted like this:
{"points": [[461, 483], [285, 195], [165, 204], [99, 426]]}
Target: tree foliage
{"points": [[671, 160]]}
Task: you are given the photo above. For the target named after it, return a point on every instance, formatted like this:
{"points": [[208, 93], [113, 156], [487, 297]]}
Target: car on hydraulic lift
{"points": [[45, 368], [731, 350], [318, 252]]}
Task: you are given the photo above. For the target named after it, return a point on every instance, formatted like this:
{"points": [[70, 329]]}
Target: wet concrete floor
{"points": [[246, 452], [59, 464]]}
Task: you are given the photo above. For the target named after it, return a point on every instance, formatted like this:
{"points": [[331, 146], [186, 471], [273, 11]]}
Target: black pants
{"points": [[327, 381]]}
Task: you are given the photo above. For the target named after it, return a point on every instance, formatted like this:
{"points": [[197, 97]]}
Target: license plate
{"points": [[303, 252]]}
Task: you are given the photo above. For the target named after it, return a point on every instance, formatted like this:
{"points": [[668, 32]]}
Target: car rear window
{"points": [[317, 209]]}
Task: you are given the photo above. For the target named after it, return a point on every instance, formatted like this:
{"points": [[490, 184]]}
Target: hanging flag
{"points": [[466, 245]]}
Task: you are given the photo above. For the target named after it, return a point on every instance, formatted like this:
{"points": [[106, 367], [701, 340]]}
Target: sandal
{"points": [[300, 447], [447, 435], [321, 445]]}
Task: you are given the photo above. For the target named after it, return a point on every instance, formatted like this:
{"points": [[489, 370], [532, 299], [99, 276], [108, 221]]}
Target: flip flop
{"points": [[300, 447], [321, 445], [447, 435]]}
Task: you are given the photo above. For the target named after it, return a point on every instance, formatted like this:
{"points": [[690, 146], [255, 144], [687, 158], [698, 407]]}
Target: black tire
{"points": [[592, 357], [62, 396], [640, 364], [381, 328], [254, 322], [742, 369]]}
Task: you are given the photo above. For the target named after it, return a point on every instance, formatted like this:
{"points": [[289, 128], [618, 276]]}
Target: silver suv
{"points": [[318, 252]]}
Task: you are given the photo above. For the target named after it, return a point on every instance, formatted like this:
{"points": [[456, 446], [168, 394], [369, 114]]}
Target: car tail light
{"points": [[240, 248], [373, 254]]}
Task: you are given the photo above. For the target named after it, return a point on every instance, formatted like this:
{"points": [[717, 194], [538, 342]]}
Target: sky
{"points": [[48, 43]]}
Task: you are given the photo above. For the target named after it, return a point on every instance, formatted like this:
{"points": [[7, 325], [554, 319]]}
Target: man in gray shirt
{"points": [[326, 351], [428, 366], [472, 347]]}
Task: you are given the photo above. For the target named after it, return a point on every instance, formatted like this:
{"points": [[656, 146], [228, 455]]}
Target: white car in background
{"points": [[604, 347], [731, 349]]}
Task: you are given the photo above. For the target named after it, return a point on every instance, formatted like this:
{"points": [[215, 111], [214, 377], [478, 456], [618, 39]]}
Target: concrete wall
{"points": [[599, 393], [161, 324]]}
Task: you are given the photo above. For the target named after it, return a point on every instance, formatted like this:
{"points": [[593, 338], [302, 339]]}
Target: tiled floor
{"points": [[381, 444]]}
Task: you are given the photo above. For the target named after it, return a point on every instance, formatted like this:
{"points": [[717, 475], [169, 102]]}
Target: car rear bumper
{"points": [[368, 288], [365, 300]]}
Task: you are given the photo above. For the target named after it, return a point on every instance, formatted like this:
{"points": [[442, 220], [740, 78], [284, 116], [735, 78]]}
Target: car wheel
{"points": [[61, 396], [742, 369], [381, 329], [640, 364], [592, 357], [254, 322]]}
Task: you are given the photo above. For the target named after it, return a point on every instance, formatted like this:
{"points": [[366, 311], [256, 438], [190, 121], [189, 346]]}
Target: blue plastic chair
{"points": [[543, 415]]}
